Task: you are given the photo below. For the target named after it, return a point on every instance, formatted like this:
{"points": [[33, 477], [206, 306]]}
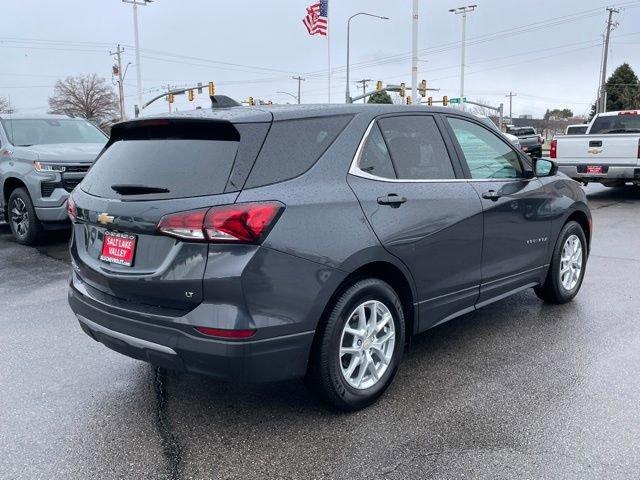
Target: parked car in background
{"points": [[261, 245], [609, 152], [42, 159], [512, 138], [530, 141], [577, 129]]}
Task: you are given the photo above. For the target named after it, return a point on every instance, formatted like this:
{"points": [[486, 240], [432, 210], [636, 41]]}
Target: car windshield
{"points": [[622, 123], [41, 131]]}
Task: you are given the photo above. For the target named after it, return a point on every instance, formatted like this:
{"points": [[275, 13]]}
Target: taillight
{"points": [[225, 333], [184, 225], [239, 223], [72, 210], [553, 153]]}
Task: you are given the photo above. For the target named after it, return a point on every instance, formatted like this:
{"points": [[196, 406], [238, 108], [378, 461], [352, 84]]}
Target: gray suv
{"points": [[259, 245], [42, 159]]}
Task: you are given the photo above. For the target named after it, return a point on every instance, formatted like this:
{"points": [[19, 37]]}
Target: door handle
{"points": [[491, 195], [392, 200]]}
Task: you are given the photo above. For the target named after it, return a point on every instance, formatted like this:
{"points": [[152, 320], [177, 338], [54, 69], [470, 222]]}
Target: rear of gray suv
{"points": [[42, 159], [259, 245]]}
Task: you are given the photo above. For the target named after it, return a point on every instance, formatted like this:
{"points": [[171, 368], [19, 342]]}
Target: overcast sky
{"points": [[548, 52]]}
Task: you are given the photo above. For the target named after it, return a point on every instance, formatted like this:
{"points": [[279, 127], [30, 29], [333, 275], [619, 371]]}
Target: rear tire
{"points": [[567, 268], [25, 226], [336, 370]]}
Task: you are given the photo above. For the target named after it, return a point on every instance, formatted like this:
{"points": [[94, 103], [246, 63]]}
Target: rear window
{"points": [[293, 146], [626, 123], [577, 129], [167, 168]]}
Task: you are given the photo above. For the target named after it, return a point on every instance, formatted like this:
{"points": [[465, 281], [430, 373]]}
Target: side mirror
{"points": [[544, 167]]}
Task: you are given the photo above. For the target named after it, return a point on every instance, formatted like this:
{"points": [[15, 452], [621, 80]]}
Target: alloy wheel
{"points": [[571, 262], [20, 217], [367, 344]]}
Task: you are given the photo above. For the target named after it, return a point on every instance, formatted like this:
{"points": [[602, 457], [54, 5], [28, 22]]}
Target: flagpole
{"points": [[328, 57]]}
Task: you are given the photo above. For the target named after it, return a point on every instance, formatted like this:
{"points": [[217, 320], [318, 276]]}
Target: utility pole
{"points": [[364, 83], [463, 11], [300, 80], [135, 4], [414, 50], [511, 95], [602, 100], [118, 54]]}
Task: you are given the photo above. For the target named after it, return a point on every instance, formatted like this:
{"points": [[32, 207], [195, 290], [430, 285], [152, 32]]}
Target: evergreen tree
{"points": [[380, 97], [623, 90]]}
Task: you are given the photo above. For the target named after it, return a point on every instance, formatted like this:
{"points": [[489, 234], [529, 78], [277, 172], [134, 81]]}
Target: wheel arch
{"points": [[378, 263], [585, 223], [9, 185]]}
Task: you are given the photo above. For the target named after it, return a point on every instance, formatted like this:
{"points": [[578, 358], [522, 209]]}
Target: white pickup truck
{"points": [[609, 152]]}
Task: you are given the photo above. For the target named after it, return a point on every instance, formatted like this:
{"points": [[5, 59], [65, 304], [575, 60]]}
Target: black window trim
{"points": [[524, 160], [458, 169]]}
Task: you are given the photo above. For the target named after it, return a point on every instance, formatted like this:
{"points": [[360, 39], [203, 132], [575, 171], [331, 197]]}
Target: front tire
{"points": [[359, 347], [567, 268], [25, 226]]}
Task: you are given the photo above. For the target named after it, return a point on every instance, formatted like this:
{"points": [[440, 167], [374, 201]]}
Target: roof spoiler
{"points": [[222, 101]]}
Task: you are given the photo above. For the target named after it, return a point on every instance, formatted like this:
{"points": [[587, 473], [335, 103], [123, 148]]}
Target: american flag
{"points": [[316, 18]]}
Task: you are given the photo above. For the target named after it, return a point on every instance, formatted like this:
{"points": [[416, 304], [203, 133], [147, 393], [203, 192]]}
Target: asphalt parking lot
{"points": [[517, 390]]}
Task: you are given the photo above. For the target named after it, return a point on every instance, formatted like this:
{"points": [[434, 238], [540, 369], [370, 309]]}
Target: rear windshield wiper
{"points": [[137, 189]]}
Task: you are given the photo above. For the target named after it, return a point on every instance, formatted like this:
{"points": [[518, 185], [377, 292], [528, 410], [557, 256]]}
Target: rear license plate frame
{"points": [[125, 258]]}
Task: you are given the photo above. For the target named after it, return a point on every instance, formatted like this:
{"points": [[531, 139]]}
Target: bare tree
{"points": [[4, 105], [482, 111], [86, 96]]}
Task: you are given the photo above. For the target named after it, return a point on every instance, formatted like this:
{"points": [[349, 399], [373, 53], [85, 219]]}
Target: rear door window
{"points": [[375, 159], [293, 146], [416, 147]]}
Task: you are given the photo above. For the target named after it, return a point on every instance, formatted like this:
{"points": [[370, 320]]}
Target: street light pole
{"points": [[347, 93], [135, 4], [297, 99], [463, 11]]}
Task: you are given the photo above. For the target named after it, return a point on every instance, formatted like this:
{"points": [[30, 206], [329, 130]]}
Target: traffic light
{"points": [[403, 89], [423, 88], [190, 95], [408, 99], [378, 85], [430, 101], [171, 98], [199, 88], [445, 101], [251, 102], [212, 89]]}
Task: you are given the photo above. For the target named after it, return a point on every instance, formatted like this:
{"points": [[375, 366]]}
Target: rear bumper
{"points": [[154, 340], [612, 173]]}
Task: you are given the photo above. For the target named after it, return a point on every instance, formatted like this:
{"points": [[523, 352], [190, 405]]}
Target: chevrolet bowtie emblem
{"points": [[595, 151], [105, 218]]}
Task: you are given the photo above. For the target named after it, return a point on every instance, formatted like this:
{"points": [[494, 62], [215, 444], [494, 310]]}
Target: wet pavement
{"points": [[516, 390]]}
